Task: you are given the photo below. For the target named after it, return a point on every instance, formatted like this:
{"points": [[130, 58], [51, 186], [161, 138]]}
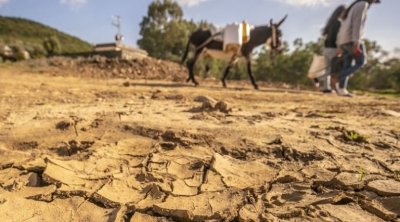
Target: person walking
{"points": [[330, 33], [350, 43]]}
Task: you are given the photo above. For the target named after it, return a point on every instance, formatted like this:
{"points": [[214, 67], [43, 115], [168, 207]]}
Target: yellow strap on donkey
{"points": [[246, 32]]}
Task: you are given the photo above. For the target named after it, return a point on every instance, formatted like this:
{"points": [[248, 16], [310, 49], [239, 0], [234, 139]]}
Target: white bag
{"points": [[233, 37], [317, 67]]}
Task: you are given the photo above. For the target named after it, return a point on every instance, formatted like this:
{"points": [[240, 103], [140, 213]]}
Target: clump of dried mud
{"points": [[74, 149]]}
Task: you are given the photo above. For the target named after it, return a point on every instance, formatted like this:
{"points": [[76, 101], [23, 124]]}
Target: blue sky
{"points": [[91, 19]]}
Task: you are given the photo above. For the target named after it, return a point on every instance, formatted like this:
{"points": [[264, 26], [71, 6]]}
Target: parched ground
{"points": [[102, 149]]}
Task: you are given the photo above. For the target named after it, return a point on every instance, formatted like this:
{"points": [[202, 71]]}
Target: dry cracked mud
{"points": [[96, 149]]}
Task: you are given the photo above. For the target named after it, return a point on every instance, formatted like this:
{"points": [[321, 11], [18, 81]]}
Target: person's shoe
{"points": [[343, 92], [334, 80], [327, 91], [336, 87], [316, 82], [348, 94]]}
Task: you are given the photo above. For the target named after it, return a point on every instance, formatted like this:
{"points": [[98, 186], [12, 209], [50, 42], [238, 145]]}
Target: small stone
{"points": [[222, 107], [208, 103], [206, 106], [63, 125], [175, 97], [289, 177], [204, 99]]}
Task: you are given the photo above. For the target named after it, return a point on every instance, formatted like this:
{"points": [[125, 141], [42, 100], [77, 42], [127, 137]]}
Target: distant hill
{"points": [[32, 34]]}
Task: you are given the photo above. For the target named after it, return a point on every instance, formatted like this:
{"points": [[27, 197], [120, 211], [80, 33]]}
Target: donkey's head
{"points": [[274, 42]]}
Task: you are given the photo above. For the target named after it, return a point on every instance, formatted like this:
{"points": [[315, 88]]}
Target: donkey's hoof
{"points": [[188, 79], [256, 87], [224, 84]]}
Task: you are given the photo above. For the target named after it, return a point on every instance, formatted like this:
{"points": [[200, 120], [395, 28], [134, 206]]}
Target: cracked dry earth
{"points": [[75, 149]]}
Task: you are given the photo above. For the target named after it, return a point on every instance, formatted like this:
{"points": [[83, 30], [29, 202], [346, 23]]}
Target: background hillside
{"points": [[30, 34]]}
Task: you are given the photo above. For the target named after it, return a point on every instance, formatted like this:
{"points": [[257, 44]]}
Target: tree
{"points": [[52, 45], [18, 52], [36, 51], [164, 31]]}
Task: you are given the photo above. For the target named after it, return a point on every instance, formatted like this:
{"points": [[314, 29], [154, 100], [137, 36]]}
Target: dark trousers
{"points": [[351, 63]]}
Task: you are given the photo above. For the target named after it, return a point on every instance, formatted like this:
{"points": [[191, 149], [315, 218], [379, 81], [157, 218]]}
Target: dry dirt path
{"points": [[76, 149]]}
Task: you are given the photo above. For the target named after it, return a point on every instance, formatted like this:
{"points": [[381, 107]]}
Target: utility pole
{"points": [[116, 22]]}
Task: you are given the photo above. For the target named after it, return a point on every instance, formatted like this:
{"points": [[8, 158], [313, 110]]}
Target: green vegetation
{"points": [[52, 45], [353, 136], [34, 37], [362, 173], [385, 93], [289, 67], [19, 52], [165, 33]]}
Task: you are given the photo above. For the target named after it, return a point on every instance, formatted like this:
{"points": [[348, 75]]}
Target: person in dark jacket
{"points": [[330, 33]]}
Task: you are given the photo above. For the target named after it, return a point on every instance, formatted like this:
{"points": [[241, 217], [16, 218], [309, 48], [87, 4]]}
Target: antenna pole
{"points": [[116, 22]]}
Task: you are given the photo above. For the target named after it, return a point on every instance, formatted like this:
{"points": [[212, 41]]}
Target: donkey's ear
{"points": [[271, 22], [282, 21]]}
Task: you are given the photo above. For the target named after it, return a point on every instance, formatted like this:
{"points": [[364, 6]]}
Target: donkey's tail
{"points": [[186, 52]]}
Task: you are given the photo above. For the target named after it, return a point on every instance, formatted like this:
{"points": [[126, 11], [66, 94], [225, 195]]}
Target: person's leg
{"points": [[327, 84], [329, 54], [359, 63], [347, 64], [336, 68], [349, 68]]}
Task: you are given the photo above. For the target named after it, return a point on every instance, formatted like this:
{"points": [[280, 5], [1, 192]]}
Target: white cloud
{"points": [[190, 3], [3, 2], [307, 2], [73, 3]]}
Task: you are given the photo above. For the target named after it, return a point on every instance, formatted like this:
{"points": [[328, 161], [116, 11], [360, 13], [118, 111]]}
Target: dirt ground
{"points": [[104, 149]]}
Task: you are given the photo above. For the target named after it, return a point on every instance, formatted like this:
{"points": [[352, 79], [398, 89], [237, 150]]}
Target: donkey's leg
{"points": [[191, 65], [227, 69], [207, 70], [249, 71], [226, 72]]}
